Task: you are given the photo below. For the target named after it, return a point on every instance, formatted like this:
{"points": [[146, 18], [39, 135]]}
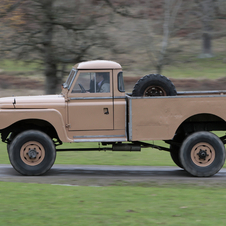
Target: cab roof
{"points": [[98, 64]]}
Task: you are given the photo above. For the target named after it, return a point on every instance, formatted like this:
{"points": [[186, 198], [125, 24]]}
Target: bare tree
{"points": [[8, 6], [157, 50], [205, 13], [176, 18], [56, 33], [171, 8]]}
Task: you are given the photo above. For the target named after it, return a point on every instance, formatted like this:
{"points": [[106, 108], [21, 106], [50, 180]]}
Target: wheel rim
{"points": [[32, 153], [154, 91], [203, 154]]}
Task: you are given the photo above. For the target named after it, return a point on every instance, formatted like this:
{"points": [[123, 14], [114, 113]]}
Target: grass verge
{"points": [[39, 204], [18, 66]]}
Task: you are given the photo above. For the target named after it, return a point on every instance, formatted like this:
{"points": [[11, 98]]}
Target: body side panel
{"points": [[159, 118]]}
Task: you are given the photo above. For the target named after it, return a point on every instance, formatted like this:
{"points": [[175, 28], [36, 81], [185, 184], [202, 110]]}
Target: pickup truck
{"points": [[93, 107]]}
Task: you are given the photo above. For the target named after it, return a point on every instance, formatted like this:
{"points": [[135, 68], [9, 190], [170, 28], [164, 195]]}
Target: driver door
{"points": [[88, 108]]}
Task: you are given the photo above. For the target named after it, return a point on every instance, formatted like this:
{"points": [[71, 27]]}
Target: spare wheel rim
{"points": [[154, 91]]}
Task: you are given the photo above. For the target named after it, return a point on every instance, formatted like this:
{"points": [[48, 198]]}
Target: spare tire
{"points": [[154, 85]]}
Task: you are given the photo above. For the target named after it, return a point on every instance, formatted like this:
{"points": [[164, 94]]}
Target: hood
{"points": [[31, 102]]}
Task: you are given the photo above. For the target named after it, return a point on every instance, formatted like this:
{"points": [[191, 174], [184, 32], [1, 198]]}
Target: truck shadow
{"points": [[105, 171], [79, 175]]}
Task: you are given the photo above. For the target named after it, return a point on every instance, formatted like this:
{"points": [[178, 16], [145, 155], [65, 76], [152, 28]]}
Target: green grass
{"points": [[147, 157], [18, 66], [210, 68], [184, 67], [39, 204]]}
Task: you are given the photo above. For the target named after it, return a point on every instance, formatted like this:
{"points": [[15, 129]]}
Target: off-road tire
{"points": [[175, 149], [11, 137], [175, 156], [32, 153], [154, 85], [202, 154]]}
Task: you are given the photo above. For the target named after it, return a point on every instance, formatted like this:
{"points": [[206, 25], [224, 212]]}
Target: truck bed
{"points": [[158, 118]]}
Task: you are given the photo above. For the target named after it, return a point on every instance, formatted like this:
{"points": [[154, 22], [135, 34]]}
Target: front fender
{"points": [[54, 117]]}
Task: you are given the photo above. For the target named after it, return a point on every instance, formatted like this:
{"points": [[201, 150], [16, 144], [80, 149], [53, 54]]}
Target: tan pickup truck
{"points": [[93, 107]]}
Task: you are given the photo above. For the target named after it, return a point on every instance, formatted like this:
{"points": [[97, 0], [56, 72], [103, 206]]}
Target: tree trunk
{"points": [[207, 17], [206, 44], [49, 57], [159, 68], [51, 83]]}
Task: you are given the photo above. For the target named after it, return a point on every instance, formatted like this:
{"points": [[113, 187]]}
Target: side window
{"points": [[92, 82], [121, 87]]}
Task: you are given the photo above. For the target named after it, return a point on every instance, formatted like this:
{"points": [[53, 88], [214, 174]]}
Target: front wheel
{"points": [[202, 154], [32, 153]]}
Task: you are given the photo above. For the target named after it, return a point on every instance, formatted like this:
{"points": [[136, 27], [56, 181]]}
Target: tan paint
{"points": [[52, 116], [32, 146], [7, 102], [119, 114], [90, 114], [158, 118], [210, 152], [97, 64]]}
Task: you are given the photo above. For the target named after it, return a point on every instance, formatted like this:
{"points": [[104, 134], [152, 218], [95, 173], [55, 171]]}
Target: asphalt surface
{"points": [[86, 175]]}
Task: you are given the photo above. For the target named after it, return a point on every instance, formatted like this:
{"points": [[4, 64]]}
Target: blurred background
{"points": [[40, 40]]}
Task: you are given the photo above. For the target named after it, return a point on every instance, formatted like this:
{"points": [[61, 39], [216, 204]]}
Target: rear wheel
{"points": [[202, 154], [154, 85], [175, 149], [32, 153], [175, 155]]}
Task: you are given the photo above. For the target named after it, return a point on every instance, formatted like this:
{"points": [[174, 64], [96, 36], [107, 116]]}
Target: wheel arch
{"points": [[27, 124], [202, 122]]}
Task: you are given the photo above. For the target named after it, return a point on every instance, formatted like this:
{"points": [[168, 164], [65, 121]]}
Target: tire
{"points": [[32, 153], [175, 156], [202, 154], [175, 149], [11, 137], [154, 85]]}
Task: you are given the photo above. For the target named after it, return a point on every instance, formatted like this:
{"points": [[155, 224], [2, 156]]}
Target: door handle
{"points": [[106, 112]]}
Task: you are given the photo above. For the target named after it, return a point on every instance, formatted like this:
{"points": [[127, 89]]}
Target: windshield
{"points": [[70, 79]]}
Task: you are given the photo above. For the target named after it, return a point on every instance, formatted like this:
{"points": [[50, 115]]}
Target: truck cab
{"points": [[96, 104]]}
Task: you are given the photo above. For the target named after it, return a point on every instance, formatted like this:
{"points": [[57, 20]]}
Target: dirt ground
{"points": [[188, 84], [12, 85]]}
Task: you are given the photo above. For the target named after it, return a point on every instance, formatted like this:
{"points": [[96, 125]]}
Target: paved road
{"points": [[111, 175]]}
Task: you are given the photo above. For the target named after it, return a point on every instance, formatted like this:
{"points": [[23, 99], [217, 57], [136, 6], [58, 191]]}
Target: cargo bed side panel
{"points": [[158, 118]]}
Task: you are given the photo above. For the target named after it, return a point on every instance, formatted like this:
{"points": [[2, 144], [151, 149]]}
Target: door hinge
{"points": [[67, 125]]}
